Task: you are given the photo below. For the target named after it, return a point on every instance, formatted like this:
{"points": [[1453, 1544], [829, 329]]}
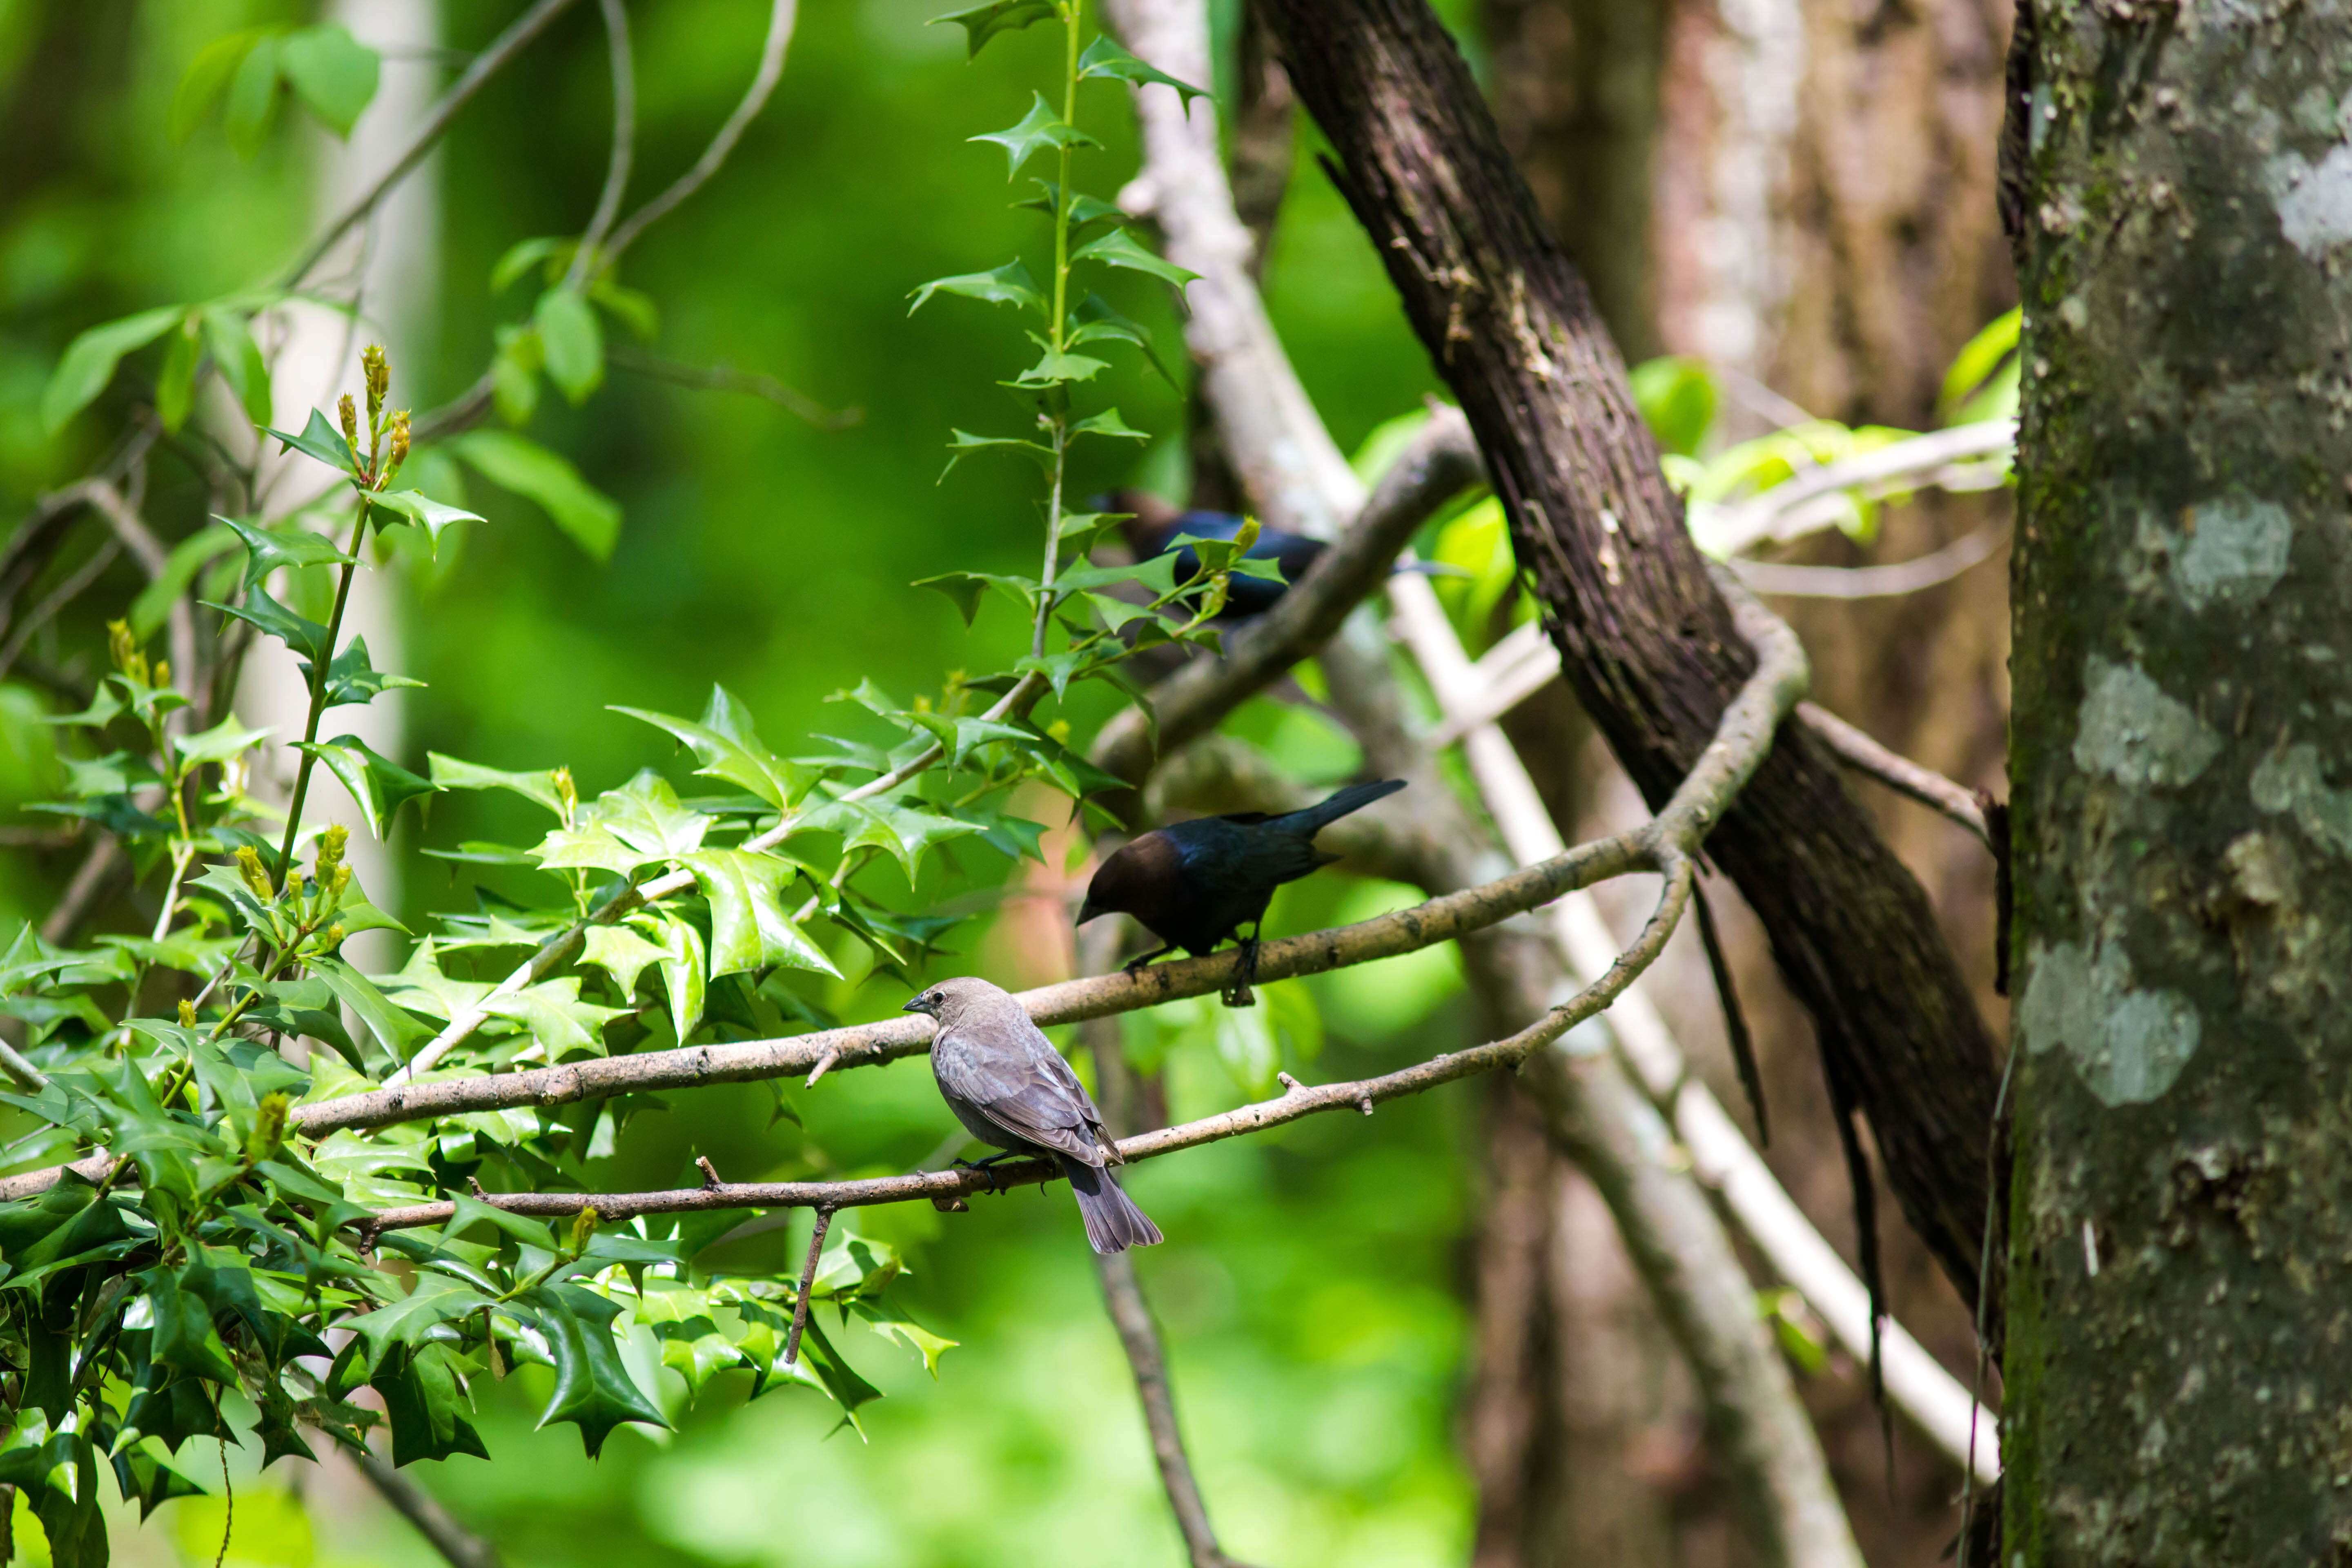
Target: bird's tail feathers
{"points": [[1355, 797], [1113, 1222]]}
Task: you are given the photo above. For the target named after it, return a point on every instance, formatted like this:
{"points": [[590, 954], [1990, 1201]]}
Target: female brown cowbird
{"points": [[1195, 883], [1009, 1086]]}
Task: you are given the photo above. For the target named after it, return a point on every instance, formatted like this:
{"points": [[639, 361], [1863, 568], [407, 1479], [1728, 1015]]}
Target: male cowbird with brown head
{"points": [[1010, 1087], [1194, 884]]}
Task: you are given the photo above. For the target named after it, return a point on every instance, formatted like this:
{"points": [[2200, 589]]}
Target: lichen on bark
{"points": [[2180, 1352]]}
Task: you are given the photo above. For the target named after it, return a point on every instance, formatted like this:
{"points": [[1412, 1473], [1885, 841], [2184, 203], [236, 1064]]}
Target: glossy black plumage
{"points": [[1194, 884], [1011, 1088], [1154, 526]]}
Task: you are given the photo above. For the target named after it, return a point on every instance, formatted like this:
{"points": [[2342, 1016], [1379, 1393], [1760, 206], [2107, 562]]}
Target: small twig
{"points": [[1787, 509], [1899, 773], [458, 1545], [90, 883], [1874, 581], [726, 378], [625, 141], [763, 82], [808, 1283], [67, 592], [437, 121], [228, 1496], [710, 1177], [17, 1067]]}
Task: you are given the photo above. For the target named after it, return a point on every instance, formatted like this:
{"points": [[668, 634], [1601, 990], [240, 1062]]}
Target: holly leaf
{"points": [[264, 614], [728, 746], [893, 1324], [1008, 285], [1104, 58], [645, 815], [966, 587], [683, 1323], [963, 443], [218, 744], [749, 929], [620, 952], [907, 833], [1056, 369], [1108, 423], [562, 1024], [427, 1405], [684, 964], [390, 1023], [981, 23], [185, 1337], [1118, 249], [1099, 322], [318, 440], [376, 782], [1039, 129], [450, 772], [593, 1388], [266, 550], [352, 680], [422, 510], [959, 735]]}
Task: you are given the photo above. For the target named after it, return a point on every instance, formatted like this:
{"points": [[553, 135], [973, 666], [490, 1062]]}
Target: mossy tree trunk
{"points": [[2180, 1350]]}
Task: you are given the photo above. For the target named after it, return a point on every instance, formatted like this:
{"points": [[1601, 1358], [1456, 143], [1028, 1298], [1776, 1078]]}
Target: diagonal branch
{"points": [[624, 143], [459, 1546]]}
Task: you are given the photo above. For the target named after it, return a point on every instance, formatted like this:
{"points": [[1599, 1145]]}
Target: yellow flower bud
{"points": [[249, 869], [584, 1227], [567, 792], [187, 1014], [330, 850], [399, 438], [163, 676], [294, 881], [332, 937], [268, 1127], [351, 416], [379, 379], [342, 880]]}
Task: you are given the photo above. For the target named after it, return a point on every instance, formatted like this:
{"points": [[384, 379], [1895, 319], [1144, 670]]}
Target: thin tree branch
{"points": [[437, 121], [1816, 498], [459, 1547], [781, 17], [625, 141], [153, 559], [90, 883], [808, 1276], [726, 378], [1886, 582], [67, 592], [1899, 773]]}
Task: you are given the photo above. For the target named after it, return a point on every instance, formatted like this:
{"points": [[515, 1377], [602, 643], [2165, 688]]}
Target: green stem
{"points": [[318, 699], [1053, 538], [1063, 198]]}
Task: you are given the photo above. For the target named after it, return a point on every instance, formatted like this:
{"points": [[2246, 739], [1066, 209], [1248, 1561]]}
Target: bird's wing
{"points": [[1026, 1089]]}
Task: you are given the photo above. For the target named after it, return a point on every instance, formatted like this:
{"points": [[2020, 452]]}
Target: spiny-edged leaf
{"points": [[645, 814], [1014, 837], [1085, 212], [832, 1374], [981, 23], [853, 1265], [1106, 58], [334, 73], [1056, 668], [450, 772], [376, 782], [965, 589], [894, 1324], [185, 1336], [1099, 322], [588, 848], [590, 517], [90, 359], [750, 928], [148, 1481], [1008, 285], [684, 966], [304, 635], [217, 744], [959, 735], [70, 1219], [1118, 249], [1108, 423], [1056, 369], [201, 84], [319, 439], [593, 1388], [422, 510], [572, 340], [187, 951], [175, 383], [1039, 129], [908, 834], [393, 1028], [427, 1405], [238, 359], [691, 1345], [728, 746], [621, 952], [562, 1022], [963, 443], [253, 96], [1156, 573], [266, 550], [352, 680]]}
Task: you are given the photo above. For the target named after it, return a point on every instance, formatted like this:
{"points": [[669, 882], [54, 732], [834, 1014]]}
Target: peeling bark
{"points": [[2180, 1351]]}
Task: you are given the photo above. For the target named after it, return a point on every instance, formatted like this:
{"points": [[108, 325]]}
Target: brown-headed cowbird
{"points": [[1153, 525], [1009, 1086], [1194, 884]]}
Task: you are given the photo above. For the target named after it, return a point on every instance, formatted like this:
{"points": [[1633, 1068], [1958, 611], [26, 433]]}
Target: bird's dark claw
{"points": [[1238, 994], [988, 1166]]}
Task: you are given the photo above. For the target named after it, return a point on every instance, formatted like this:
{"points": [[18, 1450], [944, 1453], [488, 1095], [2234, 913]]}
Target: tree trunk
{"points": [[2180, 1351], [1647, 639]]}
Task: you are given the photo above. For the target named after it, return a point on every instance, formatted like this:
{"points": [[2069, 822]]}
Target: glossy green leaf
{"points": [[203, 81], [425, 1405], [966, 587], [218, 744], [352, 680], [334, 73], [750, 928], [593, 1388], [591, 518], [1118, 249], [318, 440], [1038, 129], [963, 443], [1106, 58], [185, 1337], [176, 382], [728, 746], [238, 359], [449, 772], [981, 23], [572, 340], [376, 782], [422, 510], [563, 1025], [891, 1323], [1099, 322], [684, 963], [398, 1033], [153, 606], [621, 952], [907, 833], [1008, 285], [1054, 369], [961, 734], [682, 1321], [1086, 213], [90, 359], [646, 814], [294, 546], [1108, 423], [304, 635]]}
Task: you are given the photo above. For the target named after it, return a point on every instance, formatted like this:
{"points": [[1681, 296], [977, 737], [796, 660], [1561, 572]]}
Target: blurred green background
{"points": [[1311, 1287]]}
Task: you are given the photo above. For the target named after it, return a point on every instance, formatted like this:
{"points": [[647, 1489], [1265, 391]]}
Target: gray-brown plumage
{"points": [[1010, 1087]]}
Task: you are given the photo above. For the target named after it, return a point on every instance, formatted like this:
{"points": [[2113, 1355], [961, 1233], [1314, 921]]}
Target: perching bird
{"points": [[1009, 1086], [1195, 883], [1154, 524]]}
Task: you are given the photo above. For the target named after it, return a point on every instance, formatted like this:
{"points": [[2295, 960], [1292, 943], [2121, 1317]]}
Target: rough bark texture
{"points": [[2181, 1352], [1646, 638]]}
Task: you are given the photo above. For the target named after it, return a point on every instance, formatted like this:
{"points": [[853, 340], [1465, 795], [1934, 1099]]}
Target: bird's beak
{"points": [[1087, 911], [914, 1005]]}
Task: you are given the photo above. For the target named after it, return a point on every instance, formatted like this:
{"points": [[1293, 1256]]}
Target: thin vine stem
{"points": [[318, 675]]}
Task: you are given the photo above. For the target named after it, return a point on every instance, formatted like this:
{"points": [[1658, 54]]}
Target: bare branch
{"points": [[727, 378], [487, 64], [1965, 456], [92, 881], [1874, 581], [458, 1545], [155, 560], [625, 141], [66, 592], [1899, 773], [763, 82], [808, 1276]]}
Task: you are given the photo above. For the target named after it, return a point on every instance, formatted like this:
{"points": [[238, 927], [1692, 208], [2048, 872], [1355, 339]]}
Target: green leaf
{"points": [[1085, 212], [403, 1324], [253, 96], [185, 1336], [621, 952], [1008, 285], [981, 23], [645, 814], [908, 834], [593, 1388], [1978, 359], [564, 1025], [1039, 129], [321, 440], [175, 383], [590, 517], [691, 1345], [1058, 369], [959, 735], [266, 550], [352, 680], [425, 1406], [304, 635], [422, 510], [634, 307], [90, 359], [572, 340], [893, 1324], [965, 588], [217, 744], [514, 374], [153, 607], [749, 929], [1118, 249], [1100, 321], [1104, 58], [376, 782], [685, 963], [201, 84], [963, 443], [391, 1025], [554, 250], [1108, 423], [449, 772], [334, 73], [238, 359], [1678, 399], [729, 747]]}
